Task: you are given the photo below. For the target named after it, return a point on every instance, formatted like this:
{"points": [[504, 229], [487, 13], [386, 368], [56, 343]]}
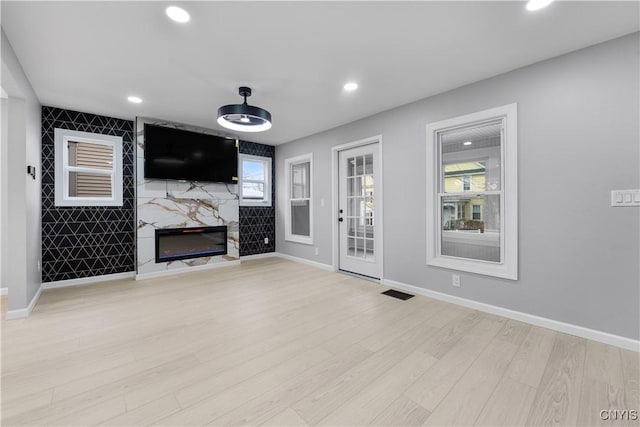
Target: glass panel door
{"points": [[358, 210]]}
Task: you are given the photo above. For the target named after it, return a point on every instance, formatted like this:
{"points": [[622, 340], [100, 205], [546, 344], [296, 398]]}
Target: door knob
{"points": [[340, 219]]}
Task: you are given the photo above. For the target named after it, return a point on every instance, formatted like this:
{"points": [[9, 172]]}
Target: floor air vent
{"points": [[398, 294]]}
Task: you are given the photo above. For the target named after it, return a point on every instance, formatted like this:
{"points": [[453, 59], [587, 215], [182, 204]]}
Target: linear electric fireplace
{"points": [[195, 242]]}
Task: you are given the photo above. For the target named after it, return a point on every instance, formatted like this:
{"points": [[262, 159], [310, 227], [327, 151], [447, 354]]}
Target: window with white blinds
{"points": [[88, 169]]}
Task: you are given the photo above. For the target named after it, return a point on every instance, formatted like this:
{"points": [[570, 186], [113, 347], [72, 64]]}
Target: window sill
{"points": [[256, 204], [299, 239], [485, 268], [87, 202]]}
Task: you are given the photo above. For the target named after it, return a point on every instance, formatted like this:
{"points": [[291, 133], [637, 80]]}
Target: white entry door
{"points": [[359, 228]]}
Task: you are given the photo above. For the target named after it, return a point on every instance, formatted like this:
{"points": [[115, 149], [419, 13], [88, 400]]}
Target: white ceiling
{"points": [[296, 56]]}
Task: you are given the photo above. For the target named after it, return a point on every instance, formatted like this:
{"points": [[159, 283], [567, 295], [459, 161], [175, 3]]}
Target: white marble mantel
{"points": [[173, 204]]}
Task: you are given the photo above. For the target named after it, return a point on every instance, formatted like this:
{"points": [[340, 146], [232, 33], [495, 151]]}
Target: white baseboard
{"points": [[25, 312], [87, 280], [4, 291], [567, 328], [177, 271], [258, 256], [326, 267]]}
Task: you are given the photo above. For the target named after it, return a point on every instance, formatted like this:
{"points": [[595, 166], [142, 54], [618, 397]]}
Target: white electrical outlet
{"points": [[317, 251], [455, 280], [266, 240]]}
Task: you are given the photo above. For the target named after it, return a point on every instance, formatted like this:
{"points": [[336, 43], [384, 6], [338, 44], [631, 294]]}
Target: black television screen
{"points": [[190, 156]]}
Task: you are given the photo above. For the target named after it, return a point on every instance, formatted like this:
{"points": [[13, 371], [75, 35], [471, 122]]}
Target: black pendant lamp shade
{"points": [[244, 117]]}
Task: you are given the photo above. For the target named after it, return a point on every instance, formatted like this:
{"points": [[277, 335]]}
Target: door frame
{"points": [[335, 151]]}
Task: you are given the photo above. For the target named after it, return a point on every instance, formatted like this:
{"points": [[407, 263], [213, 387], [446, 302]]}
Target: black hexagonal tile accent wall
{"points": [[87, 241], [258, 222]]}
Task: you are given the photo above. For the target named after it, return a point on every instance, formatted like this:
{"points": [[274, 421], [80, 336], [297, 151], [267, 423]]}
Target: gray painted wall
{"points": [[577, 140], [20, 193]]}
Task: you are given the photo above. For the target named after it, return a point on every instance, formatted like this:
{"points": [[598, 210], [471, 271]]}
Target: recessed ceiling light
{"points": [[134, 99], [538, 4], [351, 86], [178, 14], [467, 143]]}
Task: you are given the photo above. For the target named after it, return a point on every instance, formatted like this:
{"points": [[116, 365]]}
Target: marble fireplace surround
{"points": [[172, 204]]}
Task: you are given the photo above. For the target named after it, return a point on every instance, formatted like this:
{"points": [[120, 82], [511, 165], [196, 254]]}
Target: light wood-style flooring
{"points": [[273, 342]]}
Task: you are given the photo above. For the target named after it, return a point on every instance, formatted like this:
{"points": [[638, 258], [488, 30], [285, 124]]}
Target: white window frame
{"points": [[508, 266], [62, 168], [288, 163], [267, 161]]}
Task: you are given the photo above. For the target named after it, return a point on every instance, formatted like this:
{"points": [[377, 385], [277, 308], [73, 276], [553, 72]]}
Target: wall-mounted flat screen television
{"points": [[188, 156]]}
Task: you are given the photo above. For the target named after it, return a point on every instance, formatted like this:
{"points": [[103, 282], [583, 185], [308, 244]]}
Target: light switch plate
{"points": [[625, 197]]}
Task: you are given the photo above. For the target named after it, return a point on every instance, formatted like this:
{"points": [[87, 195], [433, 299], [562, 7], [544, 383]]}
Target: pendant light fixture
{"points": [[244, 117]]}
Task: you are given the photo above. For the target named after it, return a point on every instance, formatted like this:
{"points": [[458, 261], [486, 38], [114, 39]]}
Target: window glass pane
{"points": [[352, 186], [368, 212], [356, 248], [466, 183], [353, 227], [463, 235], [82, 184], [300, 180], [461, 177], [353, 207], [351, 166], [253, 190], [360, 248], [471, 159], [359, 165], [368, 164], [359, 188], [253, 170], [368, 229], [476, 212], [300, 217], [368, 184], [85, 154], [351, 246], [370, 252]]}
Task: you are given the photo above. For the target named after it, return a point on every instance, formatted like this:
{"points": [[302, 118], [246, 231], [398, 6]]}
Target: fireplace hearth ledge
{"points": [[180, 271]]}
